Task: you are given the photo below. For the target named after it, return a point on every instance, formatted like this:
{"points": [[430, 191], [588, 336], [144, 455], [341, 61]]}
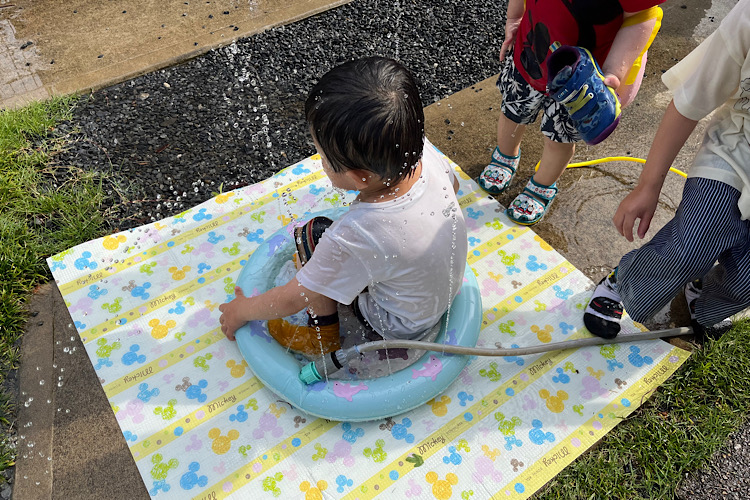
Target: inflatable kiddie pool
{"points": [[351, 400]]}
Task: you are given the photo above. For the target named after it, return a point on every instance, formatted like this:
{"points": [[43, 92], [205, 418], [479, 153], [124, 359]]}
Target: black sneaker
{"points": [[692, 292], [604, 311]]}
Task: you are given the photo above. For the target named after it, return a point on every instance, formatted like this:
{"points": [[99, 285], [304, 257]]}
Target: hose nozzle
{"points": [[326, 365]]}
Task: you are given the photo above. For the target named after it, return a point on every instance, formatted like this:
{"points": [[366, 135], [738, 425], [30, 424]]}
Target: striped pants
{"points": [[705, 229]]}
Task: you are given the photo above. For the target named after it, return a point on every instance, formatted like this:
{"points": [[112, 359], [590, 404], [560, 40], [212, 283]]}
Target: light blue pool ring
{"points": [[351, 400]]}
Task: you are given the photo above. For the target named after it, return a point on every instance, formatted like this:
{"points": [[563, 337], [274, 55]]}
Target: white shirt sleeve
{"points": [[708, 76]]}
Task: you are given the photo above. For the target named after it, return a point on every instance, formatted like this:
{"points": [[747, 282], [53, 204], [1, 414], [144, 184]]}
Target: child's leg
{"points": [[520, 106], [555, 158], [706, 224], [726, 287], [509, 135], [321, 334], [559, 145]]}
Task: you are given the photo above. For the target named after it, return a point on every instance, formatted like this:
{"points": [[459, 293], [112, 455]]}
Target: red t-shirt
{"points": [[592, 24]]}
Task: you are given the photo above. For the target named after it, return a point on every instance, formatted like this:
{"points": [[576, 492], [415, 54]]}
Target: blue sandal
{"points": [[530, 206], [497, 176]]}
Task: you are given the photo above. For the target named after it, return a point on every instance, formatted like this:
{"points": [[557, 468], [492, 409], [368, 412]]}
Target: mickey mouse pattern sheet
{"points": [[200, 425]]}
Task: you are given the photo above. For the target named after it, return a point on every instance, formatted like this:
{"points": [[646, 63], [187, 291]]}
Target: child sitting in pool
{"points": [[398, 255]]}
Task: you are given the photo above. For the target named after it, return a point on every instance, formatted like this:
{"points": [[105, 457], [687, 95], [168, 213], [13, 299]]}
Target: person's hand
{"points": [[639, 204], [511, 28], [611, 80], [231, 318]]}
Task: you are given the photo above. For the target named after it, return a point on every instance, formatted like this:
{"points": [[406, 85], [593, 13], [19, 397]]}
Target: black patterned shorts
{"points": [[522, 103]]}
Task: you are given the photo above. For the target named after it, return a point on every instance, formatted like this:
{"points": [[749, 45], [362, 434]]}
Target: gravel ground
{"points": [[726, 476], [234, 116]]}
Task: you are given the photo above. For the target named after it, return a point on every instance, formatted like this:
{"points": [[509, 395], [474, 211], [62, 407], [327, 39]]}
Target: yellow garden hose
{"points": [[617, 158], [614, 158]]}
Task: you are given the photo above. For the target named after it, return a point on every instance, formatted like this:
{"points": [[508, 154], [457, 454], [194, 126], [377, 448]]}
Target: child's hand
{"points": [[511, 28], [639, 204], [611, 80], [232, 313]]}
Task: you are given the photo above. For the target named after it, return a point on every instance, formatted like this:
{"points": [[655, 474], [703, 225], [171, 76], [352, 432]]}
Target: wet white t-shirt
{"points": [[409, 253]]}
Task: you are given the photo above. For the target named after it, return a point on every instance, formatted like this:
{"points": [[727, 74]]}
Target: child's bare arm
{"points": [[278, 302], [673, 131], [513, 17], [626, 47]]}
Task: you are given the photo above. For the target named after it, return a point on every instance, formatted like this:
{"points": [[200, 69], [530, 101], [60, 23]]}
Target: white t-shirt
{"points": [[409, 252], [717, 75]]}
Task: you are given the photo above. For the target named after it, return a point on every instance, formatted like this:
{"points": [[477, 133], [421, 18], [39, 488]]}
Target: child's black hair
{"points": [[367, 114]]}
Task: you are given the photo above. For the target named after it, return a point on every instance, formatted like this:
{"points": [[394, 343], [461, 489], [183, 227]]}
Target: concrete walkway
{"points": [[61, 47], [58, 460]]}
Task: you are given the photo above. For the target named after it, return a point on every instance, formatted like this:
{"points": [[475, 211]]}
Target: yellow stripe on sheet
{"points": [[470, 198], [603, 421], [463, 175], [186, 236], [183, 425], [513, 301], [162, 363], [166, 299], [492, 245], [450, 431], [267, 459]]}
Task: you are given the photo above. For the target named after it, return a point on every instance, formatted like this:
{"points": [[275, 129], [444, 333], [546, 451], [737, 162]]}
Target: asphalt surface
{"points": [[172, 139], [726, 476]]}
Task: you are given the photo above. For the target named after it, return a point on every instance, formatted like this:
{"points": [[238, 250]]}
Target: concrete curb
{"points": [[36, 403], [71, 420]]}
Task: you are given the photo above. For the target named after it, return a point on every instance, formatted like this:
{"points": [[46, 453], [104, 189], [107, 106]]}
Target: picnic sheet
{"points": [[200, 425]]}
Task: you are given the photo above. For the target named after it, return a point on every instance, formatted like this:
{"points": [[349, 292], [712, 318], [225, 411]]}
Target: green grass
{"points": [[44, 209], [676, 431]]}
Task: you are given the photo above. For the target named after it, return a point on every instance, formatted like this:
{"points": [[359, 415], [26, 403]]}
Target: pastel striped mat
{"points": [[200, 425]]}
